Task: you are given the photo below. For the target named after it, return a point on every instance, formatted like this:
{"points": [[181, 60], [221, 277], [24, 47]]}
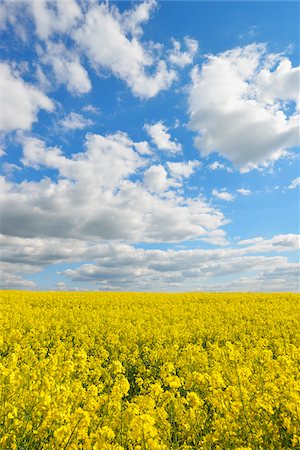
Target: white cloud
{"points": [[140, 13], [11, 280], [237, 106], [183, 58], [117, 265], [110, 40], [91, 109], [104, 38], [74, 121], [43, 80], [66, 67], [143, 148], [243, 191], [216, 237], [109, 194], [125, 267], [30, 255], [216, 165], [279, 243], [283, 277], [161, 138], [181, 170], [93, 196], [295, 182], [9, 168], [89, 211], [2, 152], [223, 195], [105, 163], [156, 179], [54, 17], [61, 286], [279, 84], [249, 33], [20, 101], [11, 15]]}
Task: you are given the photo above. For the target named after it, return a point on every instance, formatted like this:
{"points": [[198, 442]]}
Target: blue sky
{"points": [[149, 146]]}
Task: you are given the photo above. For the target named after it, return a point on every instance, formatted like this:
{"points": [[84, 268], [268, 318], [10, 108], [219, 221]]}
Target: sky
{"points": [[149, 146]]}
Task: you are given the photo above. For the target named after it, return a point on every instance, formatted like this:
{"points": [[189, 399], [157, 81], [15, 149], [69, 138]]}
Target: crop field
{"points": [[149, 371]]}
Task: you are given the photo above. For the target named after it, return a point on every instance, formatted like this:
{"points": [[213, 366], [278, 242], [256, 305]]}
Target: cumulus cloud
{"points": [[216, 165], [216, 237], [54, 17], [183, 58], [99, 33], [105, 39], [66, 67], [243, 191], [143, 148], [122, 266], [61, 286], [279, 243], [139, 14], [223, 195], [91, 109], [161, 138], [75, 121], [20, 101], [237, 105], [180, 170], [125, 267], [117, 265], [295, 182], [49, 17], [279, 278], [13, 276], [279, 84], [9, 280], [156, 179], [11, 15], [98, 193], [106, 161], [132, 213]]}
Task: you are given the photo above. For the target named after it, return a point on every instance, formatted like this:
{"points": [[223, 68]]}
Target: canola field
{"points": [[149, 371]]}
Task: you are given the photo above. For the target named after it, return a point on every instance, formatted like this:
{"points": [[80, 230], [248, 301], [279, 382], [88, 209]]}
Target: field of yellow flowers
{"points": [[149, 371]]}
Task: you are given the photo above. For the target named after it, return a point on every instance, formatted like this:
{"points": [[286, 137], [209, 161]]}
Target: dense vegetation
{"points": [[149, 371]]}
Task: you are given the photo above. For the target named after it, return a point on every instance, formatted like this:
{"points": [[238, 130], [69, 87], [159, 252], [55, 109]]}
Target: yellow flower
{"points": [[193, 399]]}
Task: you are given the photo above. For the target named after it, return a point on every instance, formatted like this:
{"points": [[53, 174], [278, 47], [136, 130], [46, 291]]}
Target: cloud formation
{"points": [[156, 179], [110, 40], [295, 182], [122, 266], [66, 66], [243, 191], [118, 212], [129, 268], [93, 196], [237, 106], [180, 170], [20, 101], [75, 121], [183, 58], [54, 17], [161, 138], [216, 165], [222, 195]]}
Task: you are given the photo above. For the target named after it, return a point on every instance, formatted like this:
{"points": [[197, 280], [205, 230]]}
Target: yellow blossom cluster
{"points": [[136, 371]]}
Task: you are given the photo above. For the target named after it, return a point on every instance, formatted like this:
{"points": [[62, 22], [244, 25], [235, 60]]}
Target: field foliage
{"points": [[149, 371]]}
